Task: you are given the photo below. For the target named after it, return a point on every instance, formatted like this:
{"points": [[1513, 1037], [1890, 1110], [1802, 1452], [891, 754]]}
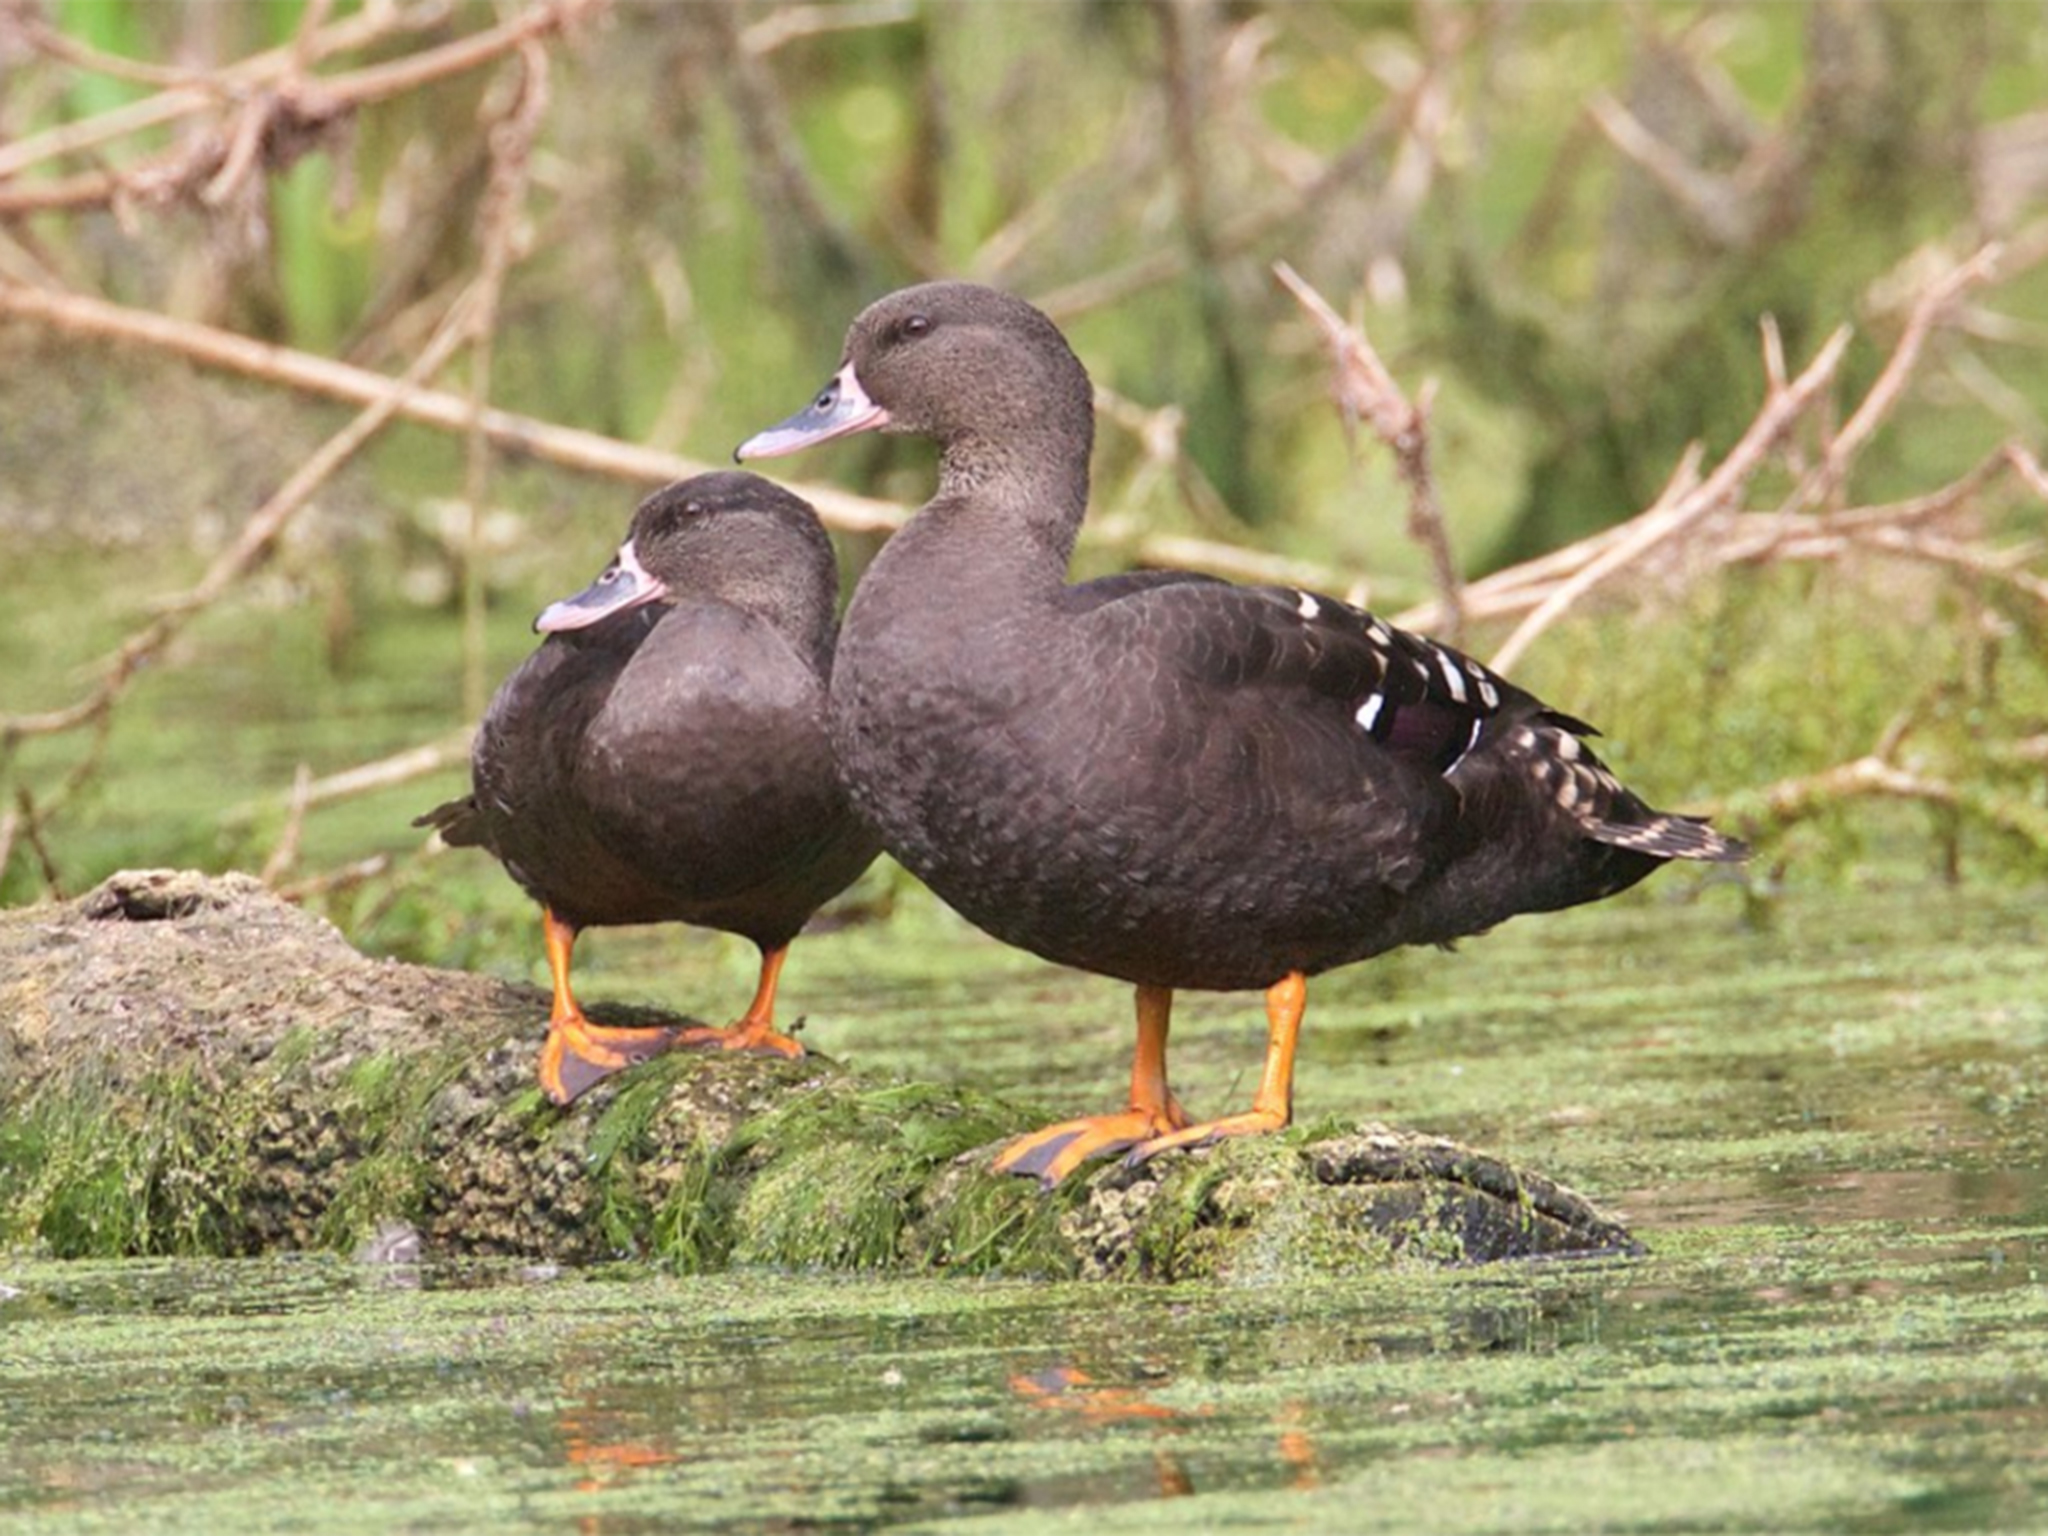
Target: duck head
{"points": [[730, 537], [954, 362]]}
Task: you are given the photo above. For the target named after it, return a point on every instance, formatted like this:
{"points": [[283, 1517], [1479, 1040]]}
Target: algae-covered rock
{"points": [[189, 1064]]}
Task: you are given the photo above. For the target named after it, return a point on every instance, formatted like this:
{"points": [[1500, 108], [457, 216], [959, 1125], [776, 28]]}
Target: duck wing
{"points": [[1412, 705]]}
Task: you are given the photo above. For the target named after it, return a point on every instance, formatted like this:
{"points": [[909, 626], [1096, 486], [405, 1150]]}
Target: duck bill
{"points": [[624, 584], [842, 407]]}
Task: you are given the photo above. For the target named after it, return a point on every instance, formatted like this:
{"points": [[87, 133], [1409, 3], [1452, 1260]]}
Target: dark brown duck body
{"points": [[664, 756], [1162, 777]]}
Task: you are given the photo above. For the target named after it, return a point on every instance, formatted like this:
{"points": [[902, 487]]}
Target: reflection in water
{"points": [[1068, 1389], [1298, 1446], [1073, 1390], [600, 1445], [207, 1391]]}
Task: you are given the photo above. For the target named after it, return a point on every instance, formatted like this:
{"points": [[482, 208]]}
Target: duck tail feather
{"points": [[1671, 837]]}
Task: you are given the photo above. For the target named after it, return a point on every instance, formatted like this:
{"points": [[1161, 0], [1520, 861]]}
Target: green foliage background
{"points": [[716, 190]]}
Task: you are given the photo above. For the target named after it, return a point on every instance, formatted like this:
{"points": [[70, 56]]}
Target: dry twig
{"points": [[286, 852], [1825, 479], [79, 314], [1876, 776], [1663, 522], [511, 147], [1367, 390], [373, 24], [26, 821], [281, 108]]}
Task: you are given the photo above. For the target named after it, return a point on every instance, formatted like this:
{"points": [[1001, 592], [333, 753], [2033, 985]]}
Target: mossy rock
{"points": [[189, 1064]]}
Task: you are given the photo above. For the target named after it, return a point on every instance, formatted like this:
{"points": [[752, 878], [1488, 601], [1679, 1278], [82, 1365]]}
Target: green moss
{"points": [[837, 1177], [993, 1224], [162, 1172], [692, 1231], [382, 1114]]}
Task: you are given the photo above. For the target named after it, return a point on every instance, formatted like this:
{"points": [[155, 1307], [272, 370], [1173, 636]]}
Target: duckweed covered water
{"points": [[1829, 1128], [1873, 1379]]}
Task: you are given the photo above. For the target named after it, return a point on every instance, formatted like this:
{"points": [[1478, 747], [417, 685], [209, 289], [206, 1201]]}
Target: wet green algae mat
{"points": [[1874, 1378], [1828, 1125]]}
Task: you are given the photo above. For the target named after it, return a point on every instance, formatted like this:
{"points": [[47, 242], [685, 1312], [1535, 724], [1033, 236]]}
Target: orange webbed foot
{"points": [[756, 1036], [1253, 1122], [1056, 1151], [579, 1054], [755, 1030]]}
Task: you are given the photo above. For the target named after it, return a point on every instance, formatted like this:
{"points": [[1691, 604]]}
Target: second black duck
{"points": [[664, 756]]}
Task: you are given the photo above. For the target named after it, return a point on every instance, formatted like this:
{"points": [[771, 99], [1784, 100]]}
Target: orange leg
{"points": [[1058, 1150], [579, 1054], [755, 1030], [1273, 1105]]}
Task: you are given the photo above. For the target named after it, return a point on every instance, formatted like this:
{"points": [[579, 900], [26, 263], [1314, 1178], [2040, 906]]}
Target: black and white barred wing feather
{"points": [[1422, 704]]}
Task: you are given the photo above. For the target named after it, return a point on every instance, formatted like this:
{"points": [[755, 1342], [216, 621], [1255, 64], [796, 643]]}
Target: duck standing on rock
{"points": [[1160, 776], [664, 756]]}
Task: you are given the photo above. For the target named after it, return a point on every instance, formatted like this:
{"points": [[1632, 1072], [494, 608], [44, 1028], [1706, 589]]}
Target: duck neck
{"points": [[1011, 510], [787, 583]]}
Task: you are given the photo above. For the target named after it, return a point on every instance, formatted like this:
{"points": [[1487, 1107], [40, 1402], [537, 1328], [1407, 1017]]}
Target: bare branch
{"points": [[29, 821], [2001, 565], [345, 878], [788, 23], [79, 314], [51, 43], [223, 166], [286, 853], [1240, 232], [1369, 391], [1717, 492], [372, 24], [511, 146], [2028, 468], [257, 534], [380, 774], [1821, 482], [1874, 776], [568, 447], [1718, 207]]}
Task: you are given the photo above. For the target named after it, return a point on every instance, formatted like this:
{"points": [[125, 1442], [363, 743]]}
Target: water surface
{"points": [[1828, 1128]]}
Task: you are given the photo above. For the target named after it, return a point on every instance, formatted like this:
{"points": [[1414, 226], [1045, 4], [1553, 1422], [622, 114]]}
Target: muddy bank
{"points": [[188, 1064]]}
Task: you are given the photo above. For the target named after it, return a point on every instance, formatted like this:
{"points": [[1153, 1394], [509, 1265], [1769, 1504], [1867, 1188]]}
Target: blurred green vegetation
{"points": [[716, 189]]}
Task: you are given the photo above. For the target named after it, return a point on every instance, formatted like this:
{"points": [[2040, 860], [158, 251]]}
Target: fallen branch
{"points": [[569, 447], [1825, 478], [286, 851], [79, 314], [368, 778], [1878, 774], [511, 140], [25, 820]]}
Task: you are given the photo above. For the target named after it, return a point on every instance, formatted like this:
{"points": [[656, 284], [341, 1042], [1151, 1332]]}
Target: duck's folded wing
{"points": [[1423, 705]]}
